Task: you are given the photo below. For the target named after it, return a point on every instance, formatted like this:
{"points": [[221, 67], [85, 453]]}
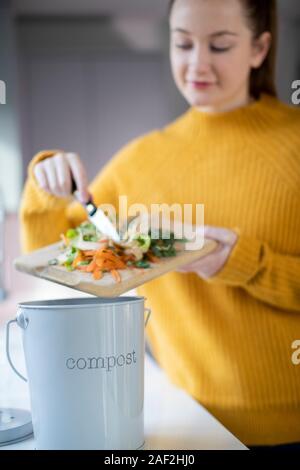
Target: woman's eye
{"points": [[183, 46], [219, 49]]}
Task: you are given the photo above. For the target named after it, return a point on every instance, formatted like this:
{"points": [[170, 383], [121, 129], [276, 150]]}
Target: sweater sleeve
{"points": [[268, 276], [43, 217]]}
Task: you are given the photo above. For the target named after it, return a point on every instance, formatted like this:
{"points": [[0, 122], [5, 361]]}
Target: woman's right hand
{"points": [[54, 175]]}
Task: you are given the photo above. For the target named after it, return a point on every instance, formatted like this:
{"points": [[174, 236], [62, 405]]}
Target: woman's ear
{"points": [[260, 49]]}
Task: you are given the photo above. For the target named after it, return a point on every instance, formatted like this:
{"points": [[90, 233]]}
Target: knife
{"points": [[98, 218]]}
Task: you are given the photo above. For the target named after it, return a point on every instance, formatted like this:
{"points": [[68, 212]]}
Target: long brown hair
{"points": [[262, 16]]}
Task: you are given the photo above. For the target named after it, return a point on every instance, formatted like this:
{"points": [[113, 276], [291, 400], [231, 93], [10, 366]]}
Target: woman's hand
{"points": [[54, 175], [210, 264]]}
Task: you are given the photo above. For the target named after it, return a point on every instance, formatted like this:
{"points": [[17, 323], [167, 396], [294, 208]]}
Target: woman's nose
{"points": [[200, 59]]}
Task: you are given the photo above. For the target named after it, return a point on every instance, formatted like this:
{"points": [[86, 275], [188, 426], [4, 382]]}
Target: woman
{"points": [[222, 327]]}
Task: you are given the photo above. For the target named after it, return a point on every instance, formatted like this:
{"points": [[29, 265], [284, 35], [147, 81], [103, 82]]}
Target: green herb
{"points": [[70, 267], [164, 247], [90, 238], [71, 256], [156, 251], [142, 264], [72, 233], [144, 241]]}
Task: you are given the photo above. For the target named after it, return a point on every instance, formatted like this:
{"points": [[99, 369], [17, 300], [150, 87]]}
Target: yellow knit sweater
{"points": [[226, 341]]}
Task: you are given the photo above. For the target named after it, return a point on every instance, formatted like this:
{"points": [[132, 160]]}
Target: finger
{"points": [[207, 263], [52, 177], [218, 251], [41, 177], [216, 265], [223, 235], [79, 175], [63, 174]]}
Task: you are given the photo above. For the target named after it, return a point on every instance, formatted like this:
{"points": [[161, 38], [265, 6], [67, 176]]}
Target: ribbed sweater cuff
{"points": [[242, 264], [45, 200]]}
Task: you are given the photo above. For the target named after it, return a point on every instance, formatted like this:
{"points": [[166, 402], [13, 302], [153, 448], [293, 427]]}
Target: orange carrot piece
{"points": [[89, 252], [90, 268], [106, 254], [97, 274], [83, 268], [109, 261]]}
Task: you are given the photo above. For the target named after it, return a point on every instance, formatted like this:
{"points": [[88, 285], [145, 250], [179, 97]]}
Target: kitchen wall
{"points": [[10, 146], [89, 97], [288, 65]]}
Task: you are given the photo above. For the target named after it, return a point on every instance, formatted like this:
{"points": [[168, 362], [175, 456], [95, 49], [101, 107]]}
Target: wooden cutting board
{"points": [[36, 264]]}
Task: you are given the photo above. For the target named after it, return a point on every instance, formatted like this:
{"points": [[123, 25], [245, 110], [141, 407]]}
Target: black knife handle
{"points": [[74, 188]]}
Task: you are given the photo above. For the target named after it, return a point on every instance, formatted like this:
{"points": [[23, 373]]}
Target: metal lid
{"points": [[15, 426], [80, 302]]}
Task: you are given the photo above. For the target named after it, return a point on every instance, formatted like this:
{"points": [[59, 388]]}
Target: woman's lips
{"points": [[200, 85]]}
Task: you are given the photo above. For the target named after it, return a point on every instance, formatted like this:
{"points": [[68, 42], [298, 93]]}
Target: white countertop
{"points": [[173, 420]]}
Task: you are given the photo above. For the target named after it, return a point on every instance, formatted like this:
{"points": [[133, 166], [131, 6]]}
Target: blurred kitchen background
{"points": [[89, 75]]}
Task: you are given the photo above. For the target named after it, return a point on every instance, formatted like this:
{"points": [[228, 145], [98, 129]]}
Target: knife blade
{"points": [[98, 218]]}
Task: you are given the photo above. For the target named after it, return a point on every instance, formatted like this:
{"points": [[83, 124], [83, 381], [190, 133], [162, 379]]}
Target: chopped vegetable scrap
{"points": [[86, 249]]}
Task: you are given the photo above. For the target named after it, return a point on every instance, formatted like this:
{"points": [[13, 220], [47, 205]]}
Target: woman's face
{"points": [[212, 52]]}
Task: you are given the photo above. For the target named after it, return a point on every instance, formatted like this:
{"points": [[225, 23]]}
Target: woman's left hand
{"points": [[212, 263]]}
